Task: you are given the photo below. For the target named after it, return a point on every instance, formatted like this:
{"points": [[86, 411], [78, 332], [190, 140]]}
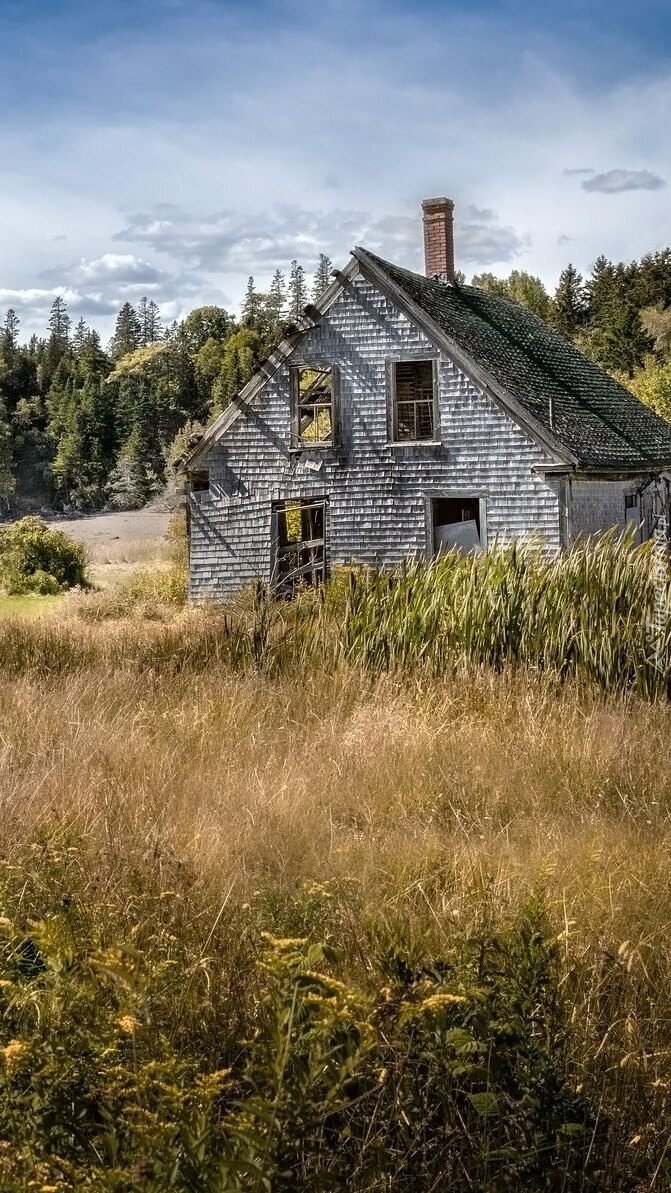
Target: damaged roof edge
{"points": [[268, 369]]}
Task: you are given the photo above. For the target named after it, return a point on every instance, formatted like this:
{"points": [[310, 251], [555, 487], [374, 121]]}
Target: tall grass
{"points": [[370, 889], [484, 859], [584, 612]]}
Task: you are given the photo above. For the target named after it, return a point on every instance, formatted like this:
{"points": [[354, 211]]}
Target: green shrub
{"points": [[34, 558]]}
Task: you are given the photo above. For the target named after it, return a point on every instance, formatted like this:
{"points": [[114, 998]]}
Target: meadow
{"points": [[295, 897]]}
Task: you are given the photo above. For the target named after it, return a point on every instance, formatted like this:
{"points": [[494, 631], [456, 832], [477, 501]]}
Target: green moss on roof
{"points": [[595, 418]]}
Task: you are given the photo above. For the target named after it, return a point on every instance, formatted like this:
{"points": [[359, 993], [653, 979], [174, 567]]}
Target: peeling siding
{"points": [[377, 493]]}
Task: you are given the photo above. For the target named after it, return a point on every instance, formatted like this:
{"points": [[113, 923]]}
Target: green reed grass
{"points": [[584, 612]]}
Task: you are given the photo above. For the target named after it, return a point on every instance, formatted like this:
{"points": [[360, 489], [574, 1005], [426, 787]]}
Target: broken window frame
{"points": [[432, 402], [297, 441], [432, 496], [299, 562]]}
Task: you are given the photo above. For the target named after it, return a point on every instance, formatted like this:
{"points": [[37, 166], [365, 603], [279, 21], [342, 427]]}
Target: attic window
{"points": [[313, 405], [200, 481], [413, 394]]}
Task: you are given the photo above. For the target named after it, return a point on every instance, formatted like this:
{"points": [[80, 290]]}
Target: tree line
{"points": [[87, 427]]}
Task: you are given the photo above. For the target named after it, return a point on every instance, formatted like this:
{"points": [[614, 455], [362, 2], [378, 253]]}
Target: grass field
{"points": [[28, 605], [276, 917]]}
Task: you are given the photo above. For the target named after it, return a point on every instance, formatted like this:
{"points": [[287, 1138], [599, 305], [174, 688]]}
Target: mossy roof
{"points": [[582, 408]]}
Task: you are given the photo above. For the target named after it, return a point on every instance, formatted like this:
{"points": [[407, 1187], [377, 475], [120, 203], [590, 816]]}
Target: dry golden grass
{"points": [[428, 795], [367, 811]]}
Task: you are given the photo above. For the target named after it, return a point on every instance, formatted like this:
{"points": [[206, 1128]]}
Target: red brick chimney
{"points": [[437, 215]]}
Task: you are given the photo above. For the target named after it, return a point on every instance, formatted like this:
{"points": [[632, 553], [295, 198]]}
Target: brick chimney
{"points": [[437, 216]]}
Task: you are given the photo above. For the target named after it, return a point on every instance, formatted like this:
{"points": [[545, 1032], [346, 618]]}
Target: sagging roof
{"points": [[599, 423]]}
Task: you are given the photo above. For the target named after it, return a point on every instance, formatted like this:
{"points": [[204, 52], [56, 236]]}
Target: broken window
{"points": [[300, 545], [313, 405], [200, 480], [456, 523], [414, 405]]}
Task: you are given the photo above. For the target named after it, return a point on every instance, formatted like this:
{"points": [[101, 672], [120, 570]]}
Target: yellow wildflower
{"points": [[13, 1052], [129, 1024]]}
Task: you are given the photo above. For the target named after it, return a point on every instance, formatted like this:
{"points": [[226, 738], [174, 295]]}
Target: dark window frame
{"points": [[393, 422], [297, 442]]}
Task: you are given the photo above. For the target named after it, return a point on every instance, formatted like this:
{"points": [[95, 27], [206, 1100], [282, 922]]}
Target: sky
{"points": [[170, 148]]}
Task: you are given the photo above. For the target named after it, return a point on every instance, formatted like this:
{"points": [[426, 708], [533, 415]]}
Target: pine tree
{"points": [[9, 336], [322, 278], [298, 292], [568, 308], [251, 306], [127, 333], [150, 322], [276, 303], [80, 333], [59, 322], [58, 343]]}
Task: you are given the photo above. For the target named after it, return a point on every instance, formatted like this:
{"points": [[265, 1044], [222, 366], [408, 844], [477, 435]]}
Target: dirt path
{"points": [[114, 530]]}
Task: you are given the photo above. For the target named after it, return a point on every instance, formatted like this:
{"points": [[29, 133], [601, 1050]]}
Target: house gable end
{"points": [[280, 357]]}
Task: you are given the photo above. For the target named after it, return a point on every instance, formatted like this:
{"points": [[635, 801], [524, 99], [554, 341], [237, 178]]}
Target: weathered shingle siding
{"points": [[598, 505], [376, 492]]}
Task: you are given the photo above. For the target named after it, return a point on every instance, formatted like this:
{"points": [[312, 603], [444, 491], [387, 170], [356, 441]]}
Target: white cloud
{"points": [[187, 162]]}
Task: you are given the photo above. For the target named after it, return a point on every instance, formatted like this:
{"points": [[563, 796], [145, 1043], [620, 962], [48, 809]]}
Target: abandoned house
{"points": [[409, 414]]}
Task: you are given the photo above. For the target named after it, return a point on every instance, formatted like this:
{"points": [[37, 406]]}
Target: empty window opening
{"points": [[313, 406], [301, 545], [456, 523], [200, 481], [414, 415]]}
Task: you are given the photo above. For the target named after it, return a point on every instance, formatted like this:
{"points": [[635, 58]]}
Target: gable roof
{"points": [[576, 407]]}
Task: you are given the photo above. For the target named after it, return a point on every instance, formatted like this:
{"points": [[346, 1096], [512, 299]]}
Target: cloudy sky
{"points": [[172, 147]]}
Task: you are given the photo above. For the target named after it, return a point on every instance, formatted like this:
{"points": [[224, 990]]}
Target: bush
{"points": [[34, 558]]}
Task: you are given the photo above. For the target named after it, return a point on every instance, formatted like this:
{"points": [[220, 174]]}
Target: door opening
{"points": [[300, 545]]}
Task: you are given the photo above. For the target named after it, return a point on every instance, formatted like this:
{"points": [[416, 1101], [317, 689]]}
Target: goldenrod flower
{"points": [[13, 1052], [129, 1024]]}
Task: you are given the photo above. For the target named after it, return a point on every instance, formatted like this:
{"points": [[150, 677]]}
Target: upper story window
{"points": [[413, 391], [313, 392]]}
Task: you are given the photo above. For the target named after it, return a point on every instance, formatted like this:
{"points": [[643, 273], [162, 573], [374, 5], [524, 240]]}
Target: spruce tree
{"points": [[150, 322], [127, 333], [80, 333], [59, 322], [568, 308], [251, 306], [9, 336], [276, 303], [322, 278], [298, 291]]}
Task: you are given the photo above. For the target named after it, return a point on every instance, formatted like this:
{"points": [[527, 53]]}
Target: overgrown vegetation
{"points": [[302, 932], [583, 614], [367, 889], [34, 558]]}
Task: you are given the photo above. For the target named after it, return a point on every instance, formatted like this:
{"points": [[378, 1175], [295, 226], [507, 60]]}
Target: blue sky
{"points": [[172, 147]]}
